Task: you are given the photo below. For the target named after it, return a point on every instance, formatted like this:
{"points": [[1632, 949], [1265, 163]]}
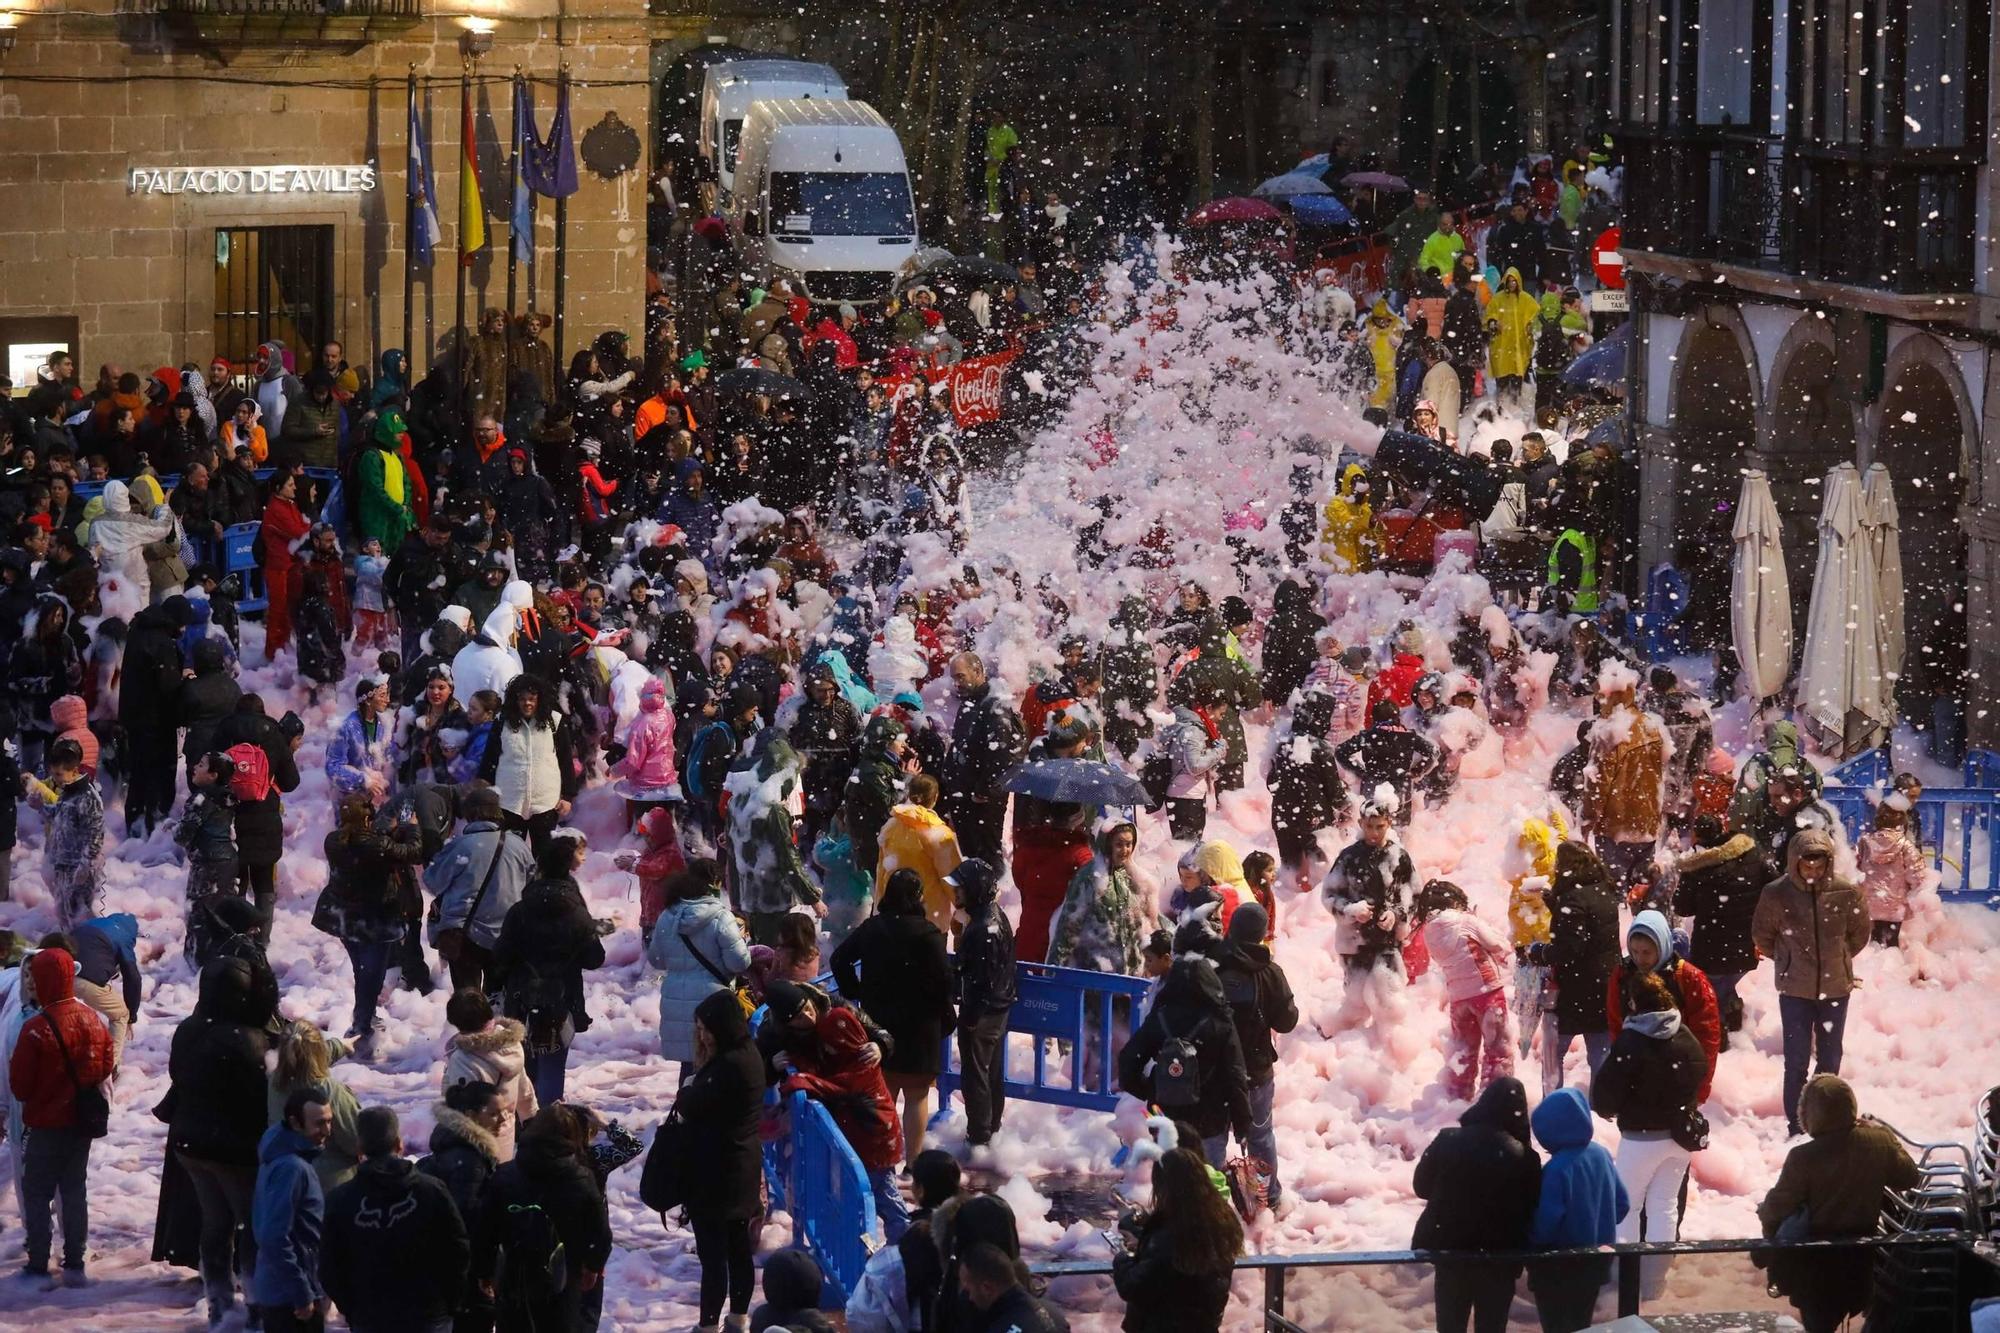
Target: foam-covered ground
{"points": [[1196, 424]]}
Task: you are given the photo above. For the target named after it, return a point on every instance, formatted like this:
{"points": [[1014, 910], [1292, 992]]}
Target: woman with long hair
{"points": [[1175, 1278], [360, 905], [697, 945], [720, 1107], [528, 760], [305, 1060]]}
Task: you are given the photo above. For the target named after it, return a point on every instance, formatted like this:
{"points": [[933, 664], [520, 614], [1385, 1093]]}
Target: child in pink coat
{"points": [[1892, 869], [1474, 960]]}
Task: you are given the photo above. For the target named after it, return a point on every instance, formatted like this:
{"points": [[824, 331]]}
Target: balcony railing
{"points": [[345, 24], [1834, 215]]}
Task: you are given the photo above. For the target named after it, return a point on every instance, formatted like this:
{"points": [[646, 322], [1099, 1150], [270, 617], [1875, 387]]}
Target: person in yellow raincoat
{"points": [[1348, 535], [1510, 319], [1530, 866], [916, 839], [1384, 334]]}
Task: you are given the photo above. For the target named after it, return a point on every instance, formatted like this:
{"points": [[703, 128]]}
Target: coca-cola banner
{"points": [[975, 388]]}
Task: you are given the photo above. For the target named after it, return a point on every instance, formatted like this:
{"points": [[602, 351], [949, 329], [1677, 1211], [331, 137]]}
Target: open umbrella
{"points": [[1321, 210], [1602, 364], [748, 380], [958, 273], [1291, 183], [1077, 782], [1234, 209], [1883, 524], [1841, 685], [1374, 180], [1760, 594]]}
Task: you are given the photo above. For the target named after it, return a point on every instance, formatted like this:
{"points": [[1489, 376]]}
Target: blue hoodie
{"points": [[287, 1214], [107, 947], [1582, 1198]]}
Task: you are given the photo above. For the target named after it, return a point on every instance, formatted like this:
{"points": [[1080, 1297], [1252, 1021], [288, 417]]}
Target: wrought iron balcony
{"points": [[342, 24], [1863, 219]]}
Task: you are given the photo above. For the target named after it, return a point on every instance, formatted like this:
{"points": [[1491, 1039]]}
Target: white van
{"points": [[730, 87], [823, 200]]}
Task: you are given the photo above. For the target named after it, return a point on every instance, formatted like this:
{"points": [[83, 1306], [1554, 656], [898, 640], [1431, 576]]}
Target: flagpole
{"points": [[562, 232], [458, 313], [513, 188], [410, 246]]}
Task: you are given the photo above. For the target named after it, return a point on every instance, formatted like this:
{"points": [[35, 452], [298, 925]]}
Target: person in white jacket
{"points": [[489, 661], [488, 1049]]}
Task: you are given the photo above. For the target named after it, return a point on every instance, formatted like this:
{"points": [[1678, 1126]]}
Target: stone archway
{"points": [[1810, 428], [1712, 417], [1927, 440]]}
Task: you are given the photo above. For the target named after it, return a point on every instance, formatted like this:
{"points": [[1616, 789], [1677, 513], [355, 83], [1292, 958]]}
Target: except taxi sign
{"points": [[1607, 261]]}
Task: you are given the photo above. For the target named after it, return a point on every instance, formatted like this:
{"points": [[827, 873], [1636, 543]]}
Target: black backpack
{"points": [[540, 1001], [1176, 1072], [1156, 775], [534, 1267]]}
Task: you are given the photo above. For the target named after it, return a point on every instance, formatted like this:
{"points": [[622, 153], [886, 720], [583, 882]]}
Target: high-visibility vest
{"points": [[1584, 598]]}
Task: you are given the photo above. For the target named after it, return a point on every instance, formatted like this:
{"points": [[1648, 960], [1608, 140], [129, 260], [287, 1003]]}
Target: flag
{"points": [[521, 218], [471, 208], [425, 232], [549, 167]]}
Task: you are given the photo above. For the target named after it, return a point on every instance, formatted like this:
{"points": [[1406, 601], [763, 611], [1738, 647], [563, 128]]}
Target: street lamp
{"points": [[478, 37], [9, 20]]}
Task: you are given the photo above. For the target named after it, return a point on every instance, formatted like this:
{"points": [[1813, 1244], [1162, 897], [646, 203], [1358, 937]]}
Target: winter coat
{"points": [[1223, 684], [649, 742], [1131, 677], [895, 968], [287, 1217], [463, 1158], [915, 838], [1652, 1078], [321, 658], [395, 1251], [874, 789], [769, 876], [217, 1095], [1260, 1001], [826, 738], [260, 830], [1193, 1008], [358, 749], [1584, 942], [702, 924], [721, 1105], [550, 1176], [1290, 640], [1512, 350], [1694, 994], [361, 891], [1348, 529], [150, 680], [984, 966], [418, 579], [73, 841], [107, 948], [1396, 682], [1582, 1199], [457, 873], [206, 830], [1391, 754], [37, 1075], [1528, 914], [986, 741], [1307, 793], [831, 1070], [488, 662], [341, 1156], [1470, 954], [1195, 754], [1480, 1182], [1719, 888], [495, 1055], [1367, 890], [1105, 918], [1892, 869], [1160, 1296], [549, 934], [69, 719], [1624, 791], [1810, 935]]}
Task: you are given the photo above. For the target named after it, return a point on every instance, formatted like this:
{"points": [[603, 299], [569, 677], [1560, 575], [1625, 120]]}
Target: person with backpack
{"points": [[288, 1216], [475, 880], [1480, 1182], [394, 1256], [1187, 1059], [985, 986], [1260, 1000], [711, 754], [260, 822], [546, 944], [57, 1073], [543, 1227], [718, 1108], [1579, 1204]]}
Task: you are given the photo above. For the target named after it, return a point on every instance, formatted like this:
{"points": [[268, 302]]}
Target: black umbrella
{"points": [[747, 380], [1077, 782], [958, 273]]}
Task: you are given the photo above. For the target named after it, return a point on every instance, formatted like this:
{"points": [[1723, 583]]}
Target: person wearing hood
{"points": [[1187, 1059], [793, 1284], [60, 1052], [874, 790], [1260, 1001], [486, 368], [546, 944], [1651, 1086], [386, 489], [1307, 793], [768, 876], [1579, 1206], [699, 950], [45, 665], [1811, 923], [647, 772], [127, 541], [985, 988], [825, 731], [1348, 535], [551, 1174], [1831, 1188], [148, 709], [1582, 952], [245, 429], [893, 965], [1649, 945], [490, 660], [392, 382], [528, 510], [1290, 640], [837, 1070], [1781, 753], [206, 698], [395, 1253], [1510, 320], [1480, 1183], [1131, 678], [719, 1105], [277, 387], [1111, 908], [1720, 884], [437, 648], [1785, 808]]}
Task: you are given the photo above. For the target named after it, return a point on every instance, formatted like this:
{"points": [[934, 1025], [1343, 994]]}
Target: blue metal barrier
{"points": [[1958, 826], [1079, 1007], [815, 1176], [238, 544]]}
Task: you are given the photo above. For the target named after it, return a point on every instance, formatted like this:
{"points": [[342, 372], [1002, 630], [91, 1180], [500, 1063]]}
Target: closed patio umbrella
{"points": [[1884, 527], [1841, 683], [1760, 593]]}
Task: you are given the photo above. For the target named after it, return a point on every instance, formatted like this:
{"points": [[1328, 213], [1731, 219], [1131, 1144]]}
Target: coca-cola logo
{"points": [[975, 391]]}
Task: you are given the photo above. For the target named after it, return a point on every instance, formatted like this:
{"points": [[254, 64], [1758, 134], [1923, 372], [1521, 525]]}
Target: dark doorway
{"points": [[273, 283]]}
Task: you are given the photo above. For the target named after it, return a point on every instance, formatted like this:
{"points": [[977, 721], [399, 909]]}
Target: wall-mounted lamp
{"points": [[478, 37], [9, 20]]}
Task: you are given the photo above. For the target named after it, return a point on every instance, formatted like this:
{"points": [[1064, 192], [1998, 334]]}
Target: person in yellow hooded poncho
{"points": [[1510, 319], [1348, 535], [1530, 868], [1384, 335], [916, 839]]}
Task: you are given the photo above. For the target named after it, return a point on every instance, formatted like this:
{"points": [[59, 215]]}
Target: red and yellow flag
{"points": [[471, 207]]}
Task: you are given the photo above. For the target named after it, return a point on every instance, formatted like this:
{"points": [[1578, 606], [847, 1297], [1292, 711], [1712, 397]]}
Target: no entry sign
{"points": [[1605, 259]]}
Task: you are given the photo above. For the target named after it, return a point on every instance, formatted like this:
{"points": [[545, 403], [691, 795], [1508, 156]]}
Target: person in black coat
{"points": [[1720, 883], [894, 965], [1650, 1086], [1307, 793], [1175, 1276], [549, 1177], [214, 1109], [207, 699], [260, 825], [1291, 640], [421, 573], [1191, 1008], [149, 711], [986, 988], [465, 1152], [986, 741], [1388, 753], [1583, 948], [719, 1108], [1480, 1183], [1261, 1003], [546, 943], [393, 1252]]}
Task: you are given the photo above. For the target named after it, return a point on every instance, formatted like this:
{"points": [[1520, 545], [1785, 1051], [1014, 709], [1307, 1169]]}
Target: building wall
{"points": [[137, 271]]}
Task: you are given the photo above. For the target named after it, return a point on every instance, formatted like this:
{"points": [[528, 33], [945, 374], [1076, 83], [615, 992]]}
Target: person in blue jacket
{"points": [[106, 949], [287, 1215], [1581, 1203]]}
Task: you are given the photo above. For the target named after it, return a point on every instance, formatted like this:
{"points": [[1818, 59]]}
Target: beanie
{"points": [[1248, 924]]}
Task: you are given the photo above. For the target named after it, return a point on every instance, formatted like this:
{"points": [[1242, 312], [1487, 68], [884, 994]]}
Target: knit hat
{"points": [[1355, 659], [743, 698], [848, 312], [784, 999], [1249, 924], [1411, 642]]}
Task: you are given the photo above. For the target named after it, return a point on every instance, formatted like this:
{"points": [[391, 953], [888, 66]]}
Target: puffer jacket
{"points": [[1193, 1008], [1583, 939], [1694, 994], [70, 719], [495, 1055], [1469, 952], [1652, 1077], [1196, 754], [649, 743], [1719, 888], [1892, 869], [1811, 935], [1481, 1180], [703, 924], [1582, 1199], [464, 1155], [37, 1074]]}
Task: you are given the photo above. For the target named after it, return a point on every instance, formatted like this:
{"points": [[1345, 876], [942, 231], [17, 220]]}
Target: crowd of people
{"points": [[750, 614]]}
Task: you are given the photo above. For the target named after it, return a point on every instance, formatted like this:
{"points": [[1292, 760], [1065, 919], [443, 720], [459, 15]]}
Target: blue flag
{"points": [[549, 166], [521, 214], [425, 233]]}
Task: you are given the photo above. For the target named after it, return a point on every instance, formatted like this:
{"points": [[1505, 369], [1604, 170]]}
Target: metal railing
{"points": [[1090, 1011], [1958, 826], [281, 9]]}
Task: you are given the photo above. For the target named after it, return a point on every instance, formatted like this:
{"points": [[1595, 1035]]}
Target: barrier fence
{"points": [[814, 1175], [1958, 826], [1090, 1011]]}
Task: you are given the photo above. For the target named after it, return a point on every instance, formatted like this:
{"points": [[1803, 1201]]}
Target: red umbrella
{"points": [[1375, 180], [1234, 210]]}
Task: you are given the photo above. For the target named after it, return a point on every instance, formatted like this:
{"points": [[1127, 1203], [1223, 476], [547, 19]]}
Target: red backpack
{"points": [[252, 781]]}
